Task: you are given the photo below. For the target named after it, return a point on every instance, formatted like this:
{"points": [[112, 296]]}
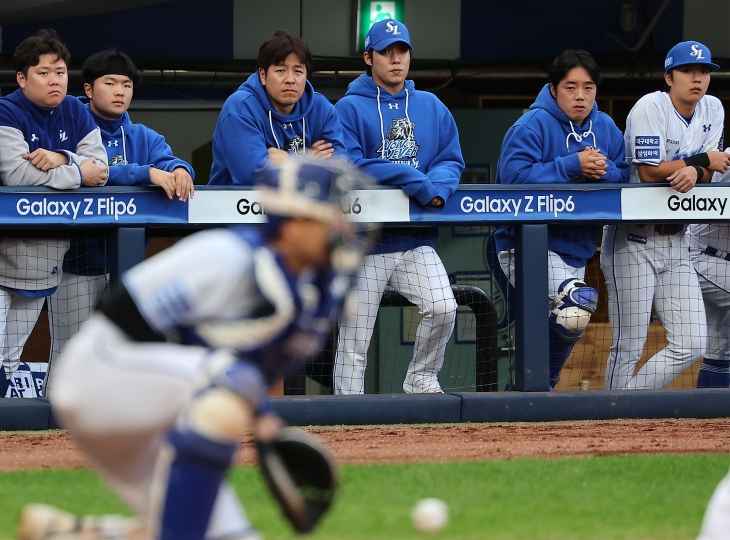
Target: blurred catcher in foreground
{"points": [[178, 361]]}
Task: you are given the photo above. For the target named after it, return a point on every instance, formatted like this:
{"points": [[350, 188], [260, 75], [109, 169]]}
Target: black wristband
{"points": [[703, 160], [700, 172]]}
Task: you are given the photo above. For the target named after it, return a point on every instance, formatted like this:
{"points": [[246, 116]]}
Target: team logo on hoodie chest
{"points": [[294, 145], [400, 145]]}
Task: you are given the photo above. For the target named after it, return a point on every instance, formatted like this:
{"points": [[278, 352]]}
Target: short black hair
{"points": [[569, 59], [275, 50], [108, 62], [29, 51]]}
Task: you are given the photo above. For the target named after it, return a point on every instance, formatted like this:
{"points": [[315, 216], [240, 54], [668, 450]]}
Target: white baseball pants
{"points": [[714, 278], [118, 398], [558, 271], [72, 303], [642, 267], [18, 315], [420, 276]]}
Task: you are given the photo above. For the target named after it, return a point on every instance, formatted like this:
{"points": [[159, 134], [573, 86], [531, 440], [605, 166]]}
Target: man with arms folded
{"points": [[46, 139], [274, 114]]}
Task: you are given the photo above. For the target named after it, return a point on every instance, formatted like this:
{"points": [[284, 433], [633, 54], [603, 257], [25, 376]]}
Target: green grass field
{"points": [[626, 497]]}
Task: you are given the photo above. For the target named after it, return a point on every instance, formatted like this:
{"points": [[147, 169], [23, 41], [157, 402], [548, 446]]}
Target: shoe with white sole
{"points": [[410, 389], [45, 522]]}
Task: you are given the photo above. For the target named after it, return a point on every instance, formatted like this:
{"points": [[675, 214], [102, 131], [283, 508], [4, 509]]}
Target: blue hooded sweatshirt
{"points": [[132, 150], [542, 148], [249, 125], [407, 140]]}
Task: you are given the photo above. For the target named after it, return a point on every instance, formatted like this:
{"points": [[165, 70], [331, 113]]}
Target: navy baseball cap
{"points": [[386, 32], [689, 52]]}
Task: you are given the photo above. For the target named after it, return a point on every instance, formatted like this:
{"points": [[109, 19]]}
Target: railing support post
{"points": [[126, 248], [532, 366]]}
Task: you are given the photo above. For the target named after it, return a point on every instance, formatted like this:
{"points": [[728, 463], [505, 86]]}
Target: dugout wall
{"points": [[136, 210]]}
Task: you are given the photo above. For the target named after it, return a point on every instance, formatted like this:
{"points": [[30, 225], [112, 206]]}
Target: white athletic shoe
{"points": [[45, 522]]}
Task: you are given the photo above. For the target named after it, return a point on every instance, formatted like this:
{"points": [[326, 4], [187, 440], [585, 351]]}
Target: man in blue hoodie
{"points": [[563, 139], [138, 156], [407, 139], [46, 139], [274, 114]]}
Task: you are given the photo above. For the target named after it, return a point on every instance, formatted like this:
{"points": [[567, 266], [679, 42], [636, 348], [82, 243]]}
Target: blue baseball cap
{"points": [[689, 52], [386, 32]]}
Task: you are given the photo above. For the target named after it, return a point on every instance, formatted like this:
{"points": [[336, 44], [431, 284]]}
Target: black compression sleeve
{"points": [[703, 160]]}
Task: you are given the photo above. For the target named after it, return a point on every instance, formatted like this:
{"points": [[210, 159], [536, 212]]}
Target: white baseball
{"points": [[430, 515]]}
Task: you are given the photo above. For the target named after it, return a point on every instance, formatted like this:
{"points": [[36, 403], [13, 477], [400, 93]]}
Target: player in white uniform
{"points": [[177, 362], [403, 138], [709, 248], [670, 136]]}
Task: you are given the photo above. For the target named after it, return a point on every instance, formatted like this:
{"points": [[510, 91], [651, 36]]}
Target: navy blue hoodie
{"points": [[249, 125], [542, 148], [407, 140]]}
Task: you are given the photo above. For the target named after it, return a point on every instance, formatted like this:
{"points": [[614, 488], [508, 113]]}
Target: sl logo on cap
{"points": [[392, 28], [696, 51]]}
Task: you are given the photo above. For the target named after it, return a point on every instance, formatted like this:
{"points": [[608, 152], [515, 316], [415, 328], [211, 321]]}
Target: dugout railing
{"points": [[127, 214]]}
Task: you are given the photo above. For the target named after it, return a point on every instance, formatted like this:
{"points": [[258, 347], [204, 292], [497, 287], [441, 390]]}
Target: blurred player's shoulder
{"points": [[225, 253]]}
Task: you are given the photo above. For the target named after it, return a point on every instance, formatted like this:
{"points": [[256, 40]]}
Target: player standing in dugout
{"points": [[405, 138], [709, 249], [563, 138], [675, 137], [138, 156], [47, 138]]}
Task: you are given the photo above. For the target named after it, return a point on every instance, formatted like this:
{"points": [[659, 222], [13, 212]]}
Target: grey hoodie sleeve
{"points": [[90, 146], [16, 171]]}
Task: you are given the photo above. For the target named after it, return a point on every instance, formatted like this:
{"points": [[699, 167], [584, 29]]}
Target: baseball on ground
{"points": [[430, 515]]}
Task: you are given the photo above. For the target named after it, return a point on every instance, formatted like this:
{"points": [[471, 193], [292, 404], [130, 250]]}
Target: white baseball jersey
{"points": [[716, 235], [656, 132]]}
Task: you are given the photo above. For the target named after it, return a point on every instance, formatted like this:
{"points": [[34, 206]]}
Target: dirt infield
{"points": [[433, 443]]}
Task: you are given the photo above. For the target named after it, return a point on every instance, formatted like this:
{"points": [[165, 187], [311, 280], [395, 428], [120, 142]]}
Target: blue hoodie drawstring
{"points": [[271, 124], [124, 146], [382, 133], [579, 137], [410, 125], [304, 136]]}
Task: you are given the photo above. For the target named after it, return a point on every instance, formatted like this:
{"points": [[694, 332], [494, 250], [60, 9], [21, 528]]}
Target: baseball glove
{"points": [[301, 477]]}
